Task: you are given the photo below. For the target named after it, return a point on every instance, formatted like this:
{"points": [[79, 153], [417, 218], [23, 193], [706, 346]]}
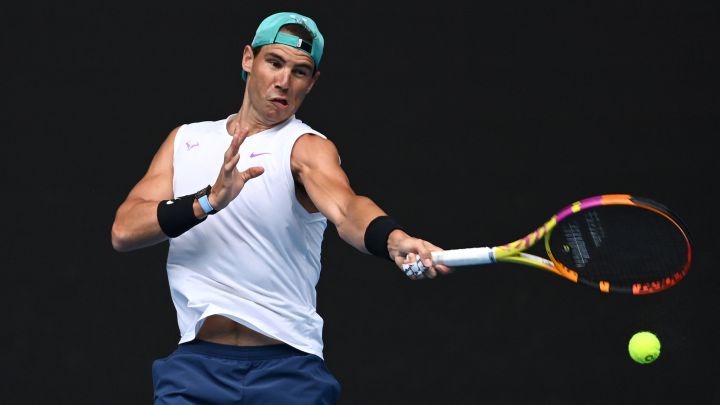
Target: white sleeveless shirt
{"points": [[257, 261]]}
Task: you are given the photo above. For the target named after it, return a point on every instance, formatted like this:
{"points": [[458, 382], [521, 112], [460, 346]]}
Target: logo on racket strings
{"points": [[575, 244]]}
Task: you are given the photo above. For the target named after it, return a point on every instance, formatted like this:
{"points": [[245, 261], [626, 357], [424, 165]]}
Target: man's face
{"points": [[280, 78]]}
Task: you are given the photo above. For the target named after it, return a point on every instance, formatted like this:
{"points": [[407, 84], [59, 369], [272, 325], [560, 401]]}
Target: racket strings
{"points": [[623, 245]]}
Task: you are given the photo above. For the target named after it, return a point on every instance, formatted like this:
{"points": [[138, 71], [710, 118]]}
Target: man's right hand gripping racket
{"points": [[616, 243]]}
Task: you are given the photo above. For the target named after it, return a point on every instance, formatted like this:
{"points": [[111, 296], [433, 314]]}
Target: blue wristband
{"points": [[205, 204]]}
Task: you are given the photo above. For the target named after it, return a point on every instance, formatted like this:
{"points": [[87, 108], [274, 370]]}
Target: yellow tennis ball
{"points": [[644, 347]]}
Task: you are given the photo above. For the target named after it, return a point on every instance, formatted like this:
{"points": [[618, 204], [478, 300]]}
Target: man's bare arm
{"points": [[136, 223], [316, 165]]}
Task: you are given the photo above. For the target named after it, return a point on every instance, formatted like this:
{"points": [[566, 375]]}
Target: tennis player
{"points": [[244, 202]]}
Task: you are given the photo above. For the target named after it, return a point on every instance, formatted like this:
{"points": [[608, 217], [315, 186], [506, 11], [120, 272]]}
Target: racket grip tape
{"points": [[455, 257], [464, 257]]}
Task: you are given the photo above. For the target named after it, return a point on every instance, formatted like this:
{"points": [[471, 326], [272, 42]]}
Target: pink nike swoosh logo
{"points": [[190, 146], [253, 154]]}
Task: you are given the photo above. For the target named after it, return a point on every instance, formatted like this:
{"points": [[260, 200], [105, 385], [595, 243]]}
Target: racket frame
{"points": [[513, 252]]}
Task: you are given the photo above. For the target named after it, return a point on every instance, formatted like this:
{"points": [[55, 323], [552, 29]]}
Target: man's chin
{"points": [[274, 118], [277, 116]]}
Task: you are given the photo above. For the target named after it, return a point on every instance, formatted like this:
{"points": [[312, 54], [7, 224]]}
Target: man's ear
{"points": [[316, 76], [247, 59]]}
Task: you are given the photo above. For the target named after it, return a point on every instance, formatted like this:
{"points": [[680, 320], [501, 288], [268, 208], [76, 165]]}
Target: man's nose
{"points": [[282, 80]]}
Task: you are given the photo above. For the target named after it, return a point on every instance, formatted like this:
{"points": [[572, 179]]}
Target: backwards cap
{"points": [[268, 32]]}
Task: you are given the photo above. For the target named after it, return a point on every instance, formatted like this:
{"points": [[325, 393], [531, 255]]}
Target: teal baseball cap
{"points": [[268, 32]]}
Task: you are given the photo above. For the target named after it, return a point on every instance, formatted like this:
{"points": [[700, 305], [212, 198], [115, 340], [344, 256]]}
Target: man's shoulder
{"points": [[206, 124], [203, 127], [300, 128]]}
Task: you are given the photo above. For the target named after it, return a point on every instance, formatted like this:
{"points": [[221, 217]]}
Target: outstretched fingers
{"points": [[232, 154], [251, 173], [230, 180]]}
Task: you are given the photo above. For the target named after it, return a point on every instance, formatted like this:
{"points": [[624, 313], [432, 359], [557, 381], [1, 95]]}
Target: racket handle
{"points": [[455, 257], [464, 257]]}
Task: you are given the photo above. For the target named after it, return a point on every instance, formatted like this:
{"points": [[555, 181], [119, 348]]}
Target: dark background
{"points": [[470, 123]]}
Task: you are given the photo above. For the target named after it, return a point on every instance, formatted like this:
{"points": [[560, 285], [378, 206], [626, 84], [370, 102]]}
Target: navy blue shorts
{"points": [[200, 373]]}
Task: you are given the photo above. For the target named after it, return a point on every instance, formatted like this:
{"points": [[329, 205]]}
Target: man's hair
{"points": [[296, 29]]}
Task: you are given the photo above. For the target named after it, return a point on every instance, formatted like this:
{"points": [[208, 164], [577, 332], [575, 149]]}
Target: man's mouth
{"points": [[280, 101]]}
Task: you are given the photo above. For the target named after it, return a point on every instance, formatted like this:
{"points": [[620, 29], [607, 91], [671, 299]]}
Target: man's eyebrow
{"points": [[276, 56], [299, 65]]}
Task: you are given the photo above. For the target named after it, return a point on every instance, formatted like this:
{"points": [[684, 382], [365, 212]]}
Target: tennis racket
{"points": [[616, 243]]}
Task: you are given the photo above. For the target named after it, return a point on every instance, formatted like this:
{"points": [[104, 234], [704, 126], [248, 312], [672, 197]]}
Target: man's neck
{"points": [[246, 118]]}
